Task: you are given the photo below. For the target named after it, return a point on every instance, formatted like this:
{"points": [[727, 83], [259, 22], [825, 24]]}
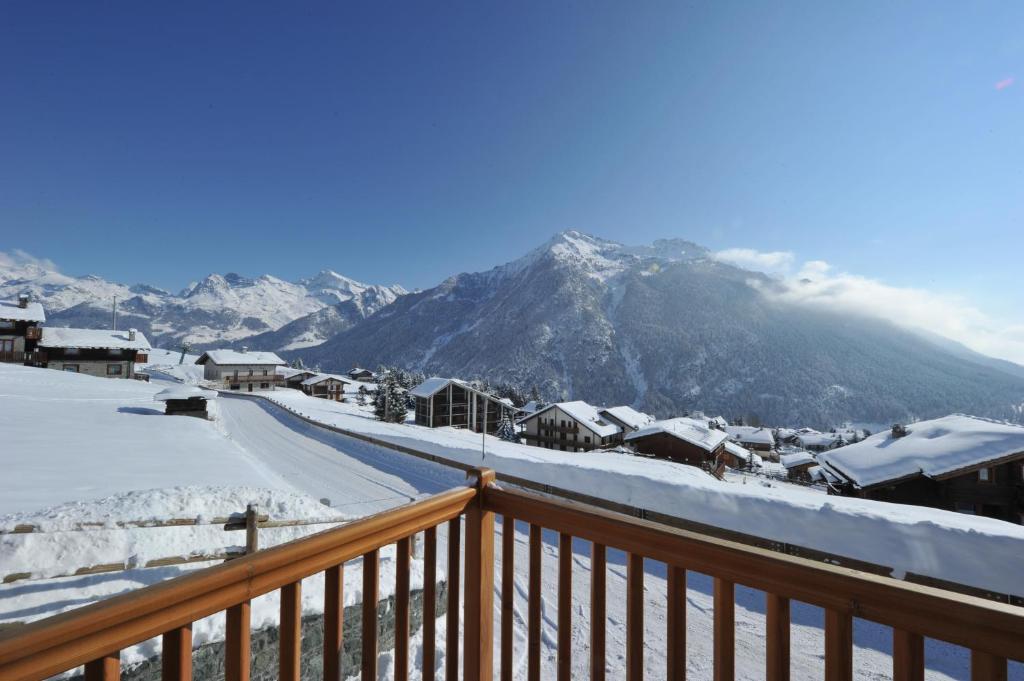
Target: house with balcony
{"points": [[242, 370], [958, 463], [451, 402], [758, 439], [97, 352], [570, 427], [628, 419], [683, 440], [360, 374], [20, 329], [326, 386]]}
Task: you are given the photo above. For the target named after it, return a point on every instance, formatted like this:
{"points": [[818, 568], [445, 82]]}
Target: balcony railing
{"points": [[93, 635], [20, 357], [253, 378]]}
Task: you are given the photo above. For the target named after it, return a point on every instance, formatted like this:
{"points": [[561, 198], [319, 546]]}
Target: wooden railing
{"points": [[993, 632]]}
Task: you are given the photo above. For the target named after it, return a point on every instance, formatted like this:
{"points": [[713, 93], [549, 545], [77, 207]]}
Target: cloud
{"points": [[763, 261], [1004, 83], [951, 316], [19, 258]]}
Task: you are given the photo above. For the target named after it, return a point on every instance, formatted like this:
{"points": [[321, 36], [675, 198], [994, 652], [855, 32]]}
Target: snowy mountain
{"points": [[666, 328], [218, 309]]}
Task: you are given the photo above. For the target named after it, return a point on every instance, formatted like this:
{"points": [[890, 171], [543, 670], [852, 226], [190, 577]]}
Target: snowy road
{"points": [[359, 478]]}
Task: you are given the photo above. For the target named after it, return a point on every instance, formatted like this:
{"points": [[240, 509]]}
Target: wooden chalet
{"points": [[97, 352], [293, 378], [754, 438], [957, 463], [450, 402], [629, 420], [241, 370], [683, 440], [326, 386], [20, 330], [570, 427], [364, 375], [798, 465]]}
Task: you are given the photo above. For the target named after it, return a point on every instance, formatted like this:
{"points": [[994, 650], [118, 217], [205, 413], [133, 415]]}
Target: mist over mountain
{"points": [[666, 328]]}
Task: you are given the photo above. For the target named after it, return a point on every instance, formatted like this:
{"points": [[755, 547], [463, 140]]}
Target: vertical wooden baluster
{"points": [[402, 609], [676, 621], [838, 646], [508, 590], [106, 668], [777, 637], [986, 667], [478, 627], [290, 644], [598, 578], [334, 608], [176, 658], [533, 614], [429, 602], [451, 657], [564, 658], [635, 618], [725, 630], [237, 655], [371, 592], [907, 656]]}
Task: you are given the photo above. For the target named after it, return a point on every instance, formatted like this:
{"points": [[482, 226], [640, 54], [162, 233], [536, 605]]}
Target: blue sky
{"points": [[402, 142]]}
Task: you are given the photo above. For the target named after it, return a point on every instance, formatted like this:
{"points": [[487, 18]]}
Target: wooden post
{"points": [[429, 601], [986, 667], [634, 617], [237, 655], [675, 638], [334, 608], [598, 578], [478, 655], [508, 590], [533, 612], [371, 592], [252, 537], [176, 658], [907, 656], [777, 637], [838, 645], [106, 668], [725, 630], [451, 658], [289, 656], [402, 609], [564, 655]]}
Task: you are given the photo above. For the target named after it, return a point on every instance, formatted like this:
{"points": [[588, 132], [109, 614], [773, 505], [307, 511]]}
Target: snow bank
{"points": [[913, 539]]}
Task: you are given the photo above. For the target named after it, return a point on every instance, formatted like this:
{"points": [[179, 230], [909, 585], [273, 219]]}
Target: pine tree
{"points": [[506, 429], [361, 396], [389, 402]]}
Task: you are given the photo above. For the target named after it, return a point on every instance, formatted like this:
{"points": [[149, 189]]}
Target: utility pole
{"points": [[114, 314]]}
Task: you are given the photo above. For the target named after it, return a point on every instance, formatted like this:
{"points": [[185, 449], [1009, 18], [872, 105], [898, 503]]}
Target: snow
{"points": [[905, 538], [71, 437], [232, 357], [320, 378], [796, 459], [816, 439], [751, 434], [686, 429], [631, 417], [184, 392], [432, 385], [743, 453], [932, 448], [14, 312], [585, 414], [57, 337]]}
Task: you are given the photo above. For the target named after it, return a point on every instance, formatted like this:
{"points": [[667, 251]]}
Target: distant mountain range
{"points": [[665, 328], [218, 310]]}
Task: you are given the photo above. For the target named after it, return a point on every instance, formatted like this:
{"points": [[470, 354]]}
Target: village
{"points": [[959, 463]]}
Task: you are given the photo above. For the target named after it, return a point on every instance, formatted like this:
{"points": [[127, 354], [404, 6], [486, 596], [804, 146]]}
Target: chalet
{"points": [[750, 437], [682, 439], [737, 456], [798, 465], [185, 400], [97, 352], [813, 441], [293, 378], [20, 329], [364, 375], [451, 402], [326, 386], [958, 463], [242, 370], [629, 420], [570, 427]]}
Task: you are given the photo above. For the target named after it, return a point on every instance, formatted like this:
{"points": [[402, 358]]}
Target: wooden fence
{"points": [[93, 635]]}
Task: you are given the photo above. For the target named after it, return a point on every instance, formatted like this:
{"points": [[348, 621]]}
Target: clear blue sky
{"points": [[408, 141]]}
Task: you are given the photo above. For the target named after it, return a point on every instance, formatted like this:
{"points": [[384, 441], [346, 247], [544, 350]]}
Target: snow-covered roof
{"points": [[320, 378], [531, 406], [225, 357], [816, 439], [103, 339], [686, 429], [289, 372], [796, 459], [33, 312], [934, 449], [585, 414], [743, 453], [629, 416], [751, 434], [184, 392], [359, 370]]}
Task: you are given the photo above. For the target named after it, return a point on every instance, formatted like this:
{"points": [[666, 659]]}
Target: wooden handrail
{"points": [[985, 626], [65, 641]]}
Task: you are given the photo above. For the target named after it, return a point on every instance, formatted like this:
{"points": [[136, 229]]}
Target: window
{"points": [[6, 345], [264, 386], [72, 351], [563, 423], [985, 475], [6, 324], [264, 372], [586, 439], [73, 368], [114, 370], [235, 386], [250, 372]]}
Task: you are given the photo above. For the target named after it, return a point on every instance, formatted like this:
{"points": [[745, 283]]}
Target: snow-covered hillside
{"points": [[217, 309]]}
